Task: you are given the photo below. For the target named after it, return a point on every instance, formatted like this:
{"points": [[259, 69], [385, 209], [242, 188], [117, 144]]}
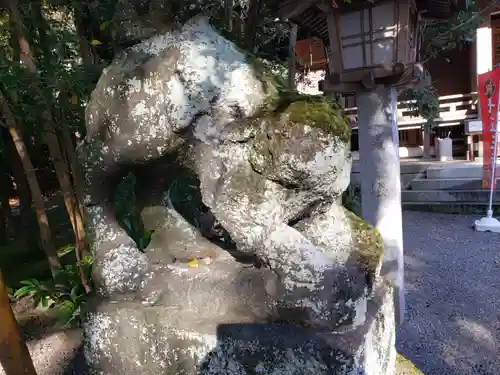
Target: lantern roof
{"points": [[311, 14]]}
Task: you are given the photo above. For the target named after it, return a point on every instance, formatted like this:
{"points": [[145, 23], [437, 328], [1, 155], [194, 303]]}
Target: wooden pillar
{"points": [[473, 66], [14, 355]]}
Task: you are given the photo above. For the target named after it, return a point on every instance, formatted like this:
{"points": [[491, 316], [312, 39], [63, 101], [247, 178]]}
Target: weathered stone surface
{"points": [[246, 180], [131, 338]]}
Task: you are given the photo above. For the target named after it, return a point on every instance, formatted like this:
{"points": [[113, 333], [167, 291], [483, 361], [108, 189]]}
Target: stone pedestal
{"points": [[127, 338]]}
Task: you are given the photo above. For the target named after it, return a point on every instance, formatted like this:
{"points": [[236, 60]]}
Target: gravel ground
{"points": [[54, 352], [452, 325]]}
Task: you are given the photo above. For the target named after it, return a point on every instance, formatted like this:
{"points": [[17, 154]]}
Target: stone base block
{"points": [[127, 338]]}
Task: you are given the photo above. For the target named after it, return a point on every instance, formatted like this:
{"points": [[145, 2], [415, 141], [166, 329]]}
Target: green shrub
{"points": [[65, 292], [127, 212]]}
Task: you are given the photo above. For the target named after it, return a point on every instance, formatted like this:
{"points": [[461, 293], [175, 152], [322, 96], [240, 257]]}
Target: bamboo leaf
{"points": [[104, 25]]}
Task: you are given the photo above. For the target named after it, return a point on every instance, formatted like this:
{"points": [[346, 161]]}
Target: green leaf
{"points": [[127, 224], [32, 282], [66, 309], [105, 24], [23, 291], [74, 293]]}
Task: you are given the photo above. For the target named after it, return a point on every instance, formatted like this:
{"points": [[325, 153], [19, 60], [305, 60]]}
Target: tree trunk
{"points": [[291, 56], [83, 42], [3, 221], [36, 193], [68, 150], [251, 24], [239, 23], [57, 155], [15, 357], [16, 20], [50, 136], [22, 188], [5, 212], [228, 14]]}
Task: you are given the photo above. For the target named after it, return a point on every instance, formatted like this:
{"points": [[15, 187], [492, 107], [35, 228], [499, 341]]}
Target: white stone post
{"points": [[381, 184], [484, 62], [484, 49]]}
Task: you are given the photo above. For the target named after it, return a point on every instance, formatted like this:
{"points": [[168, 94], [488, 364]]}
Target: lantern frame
{"points": [[378, 40]]}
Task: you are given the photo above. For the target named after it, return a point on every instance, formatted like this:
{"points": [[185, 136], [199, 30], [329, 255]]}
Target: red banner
{"points": [[488, 87]]}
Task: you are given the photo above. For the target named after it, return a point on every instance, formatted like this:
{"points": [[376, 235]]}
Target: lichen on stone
{"points": [[367, 242]]}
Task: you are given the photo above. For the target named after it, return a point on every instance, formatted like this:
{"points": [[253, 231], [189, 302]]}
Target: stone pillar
{"points": [[484, 51], [480, 148], [380, 182]]}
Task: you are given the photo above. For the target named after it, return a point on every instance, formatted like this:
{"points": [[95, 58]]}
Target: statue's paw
{"points": [[120, 270]]}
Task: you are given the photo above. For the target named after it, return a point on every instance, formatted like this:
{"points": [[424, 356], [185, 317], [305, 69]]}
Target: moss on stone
{"points": [[313, 110], [263, 70], [368, 243], [320, 114], [406, 367]]}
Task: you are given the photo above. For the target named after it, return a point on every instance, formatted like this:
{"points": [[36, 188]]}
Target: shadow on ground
{"points": [[452, 325]]}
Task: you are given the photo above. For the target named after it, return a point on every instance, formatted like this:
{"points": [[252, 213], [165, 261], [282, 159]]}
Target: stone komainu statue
{"points": [[292, 286]]}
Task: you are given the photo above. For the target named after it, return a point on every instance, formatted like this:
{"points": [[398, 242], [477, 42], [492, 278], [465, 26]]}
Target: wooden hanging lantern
{"points": [[371, 40]]}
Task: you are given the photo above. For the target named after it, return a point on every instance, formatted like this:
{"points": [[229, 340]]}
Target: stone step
{"points": [[449, 184], [470, 208], [459, 196], [430, 203], [406, 168], [457, 171]]}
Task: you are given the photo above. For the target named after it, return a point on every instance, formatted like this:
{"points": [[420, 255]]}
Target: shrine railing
{"points": [[453, 110]]}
